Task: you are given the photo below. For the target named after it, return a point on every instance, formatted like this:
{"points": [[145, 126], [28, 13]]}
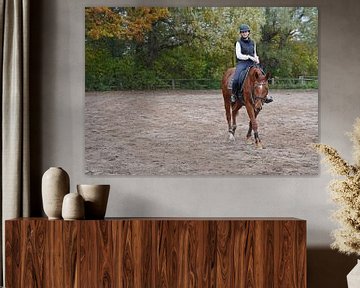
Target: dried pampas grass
{"points": [[345, 192]]}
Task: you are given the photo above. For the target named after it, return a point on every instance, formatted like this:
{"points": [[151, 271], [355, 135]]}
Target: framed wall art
{"points": [[155, 91]]}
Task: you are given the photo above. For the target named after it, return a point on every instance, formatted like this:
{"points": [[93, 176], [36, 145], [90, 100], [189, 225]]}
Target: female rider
{"points": [[246, 56]]}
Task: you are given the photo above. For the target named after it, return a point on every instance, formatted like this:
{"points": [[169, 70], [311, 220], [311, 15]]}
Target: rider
{"points": [[246, 56]]}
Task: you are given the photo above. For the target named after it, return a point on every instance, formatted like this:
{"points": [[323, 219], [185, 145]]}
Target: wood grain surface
{"points": [[149, 252]]}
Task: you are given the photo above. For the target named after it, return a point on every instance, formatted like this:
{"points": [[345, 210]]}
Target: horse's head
{"points": [[260, 88]]}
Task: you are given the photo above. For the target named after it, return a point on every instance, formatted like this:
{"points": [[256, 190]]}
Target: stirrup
{"points": [[233, 98]]}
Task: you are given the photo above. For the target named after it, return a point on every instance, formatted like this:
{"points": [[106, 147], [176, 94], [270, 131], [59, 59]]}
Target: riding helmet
{"points": [[244, 28]]}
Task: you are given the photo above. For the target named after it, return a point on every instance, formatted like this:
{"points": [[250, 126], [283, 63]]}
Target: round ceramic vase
{"points": [[353, 278], [96, 198], [73, 207], [55, 185]]}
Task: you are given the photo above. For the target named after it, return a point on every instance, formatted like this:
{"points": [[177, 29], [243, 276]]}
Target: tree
{"points": [[121, 22], [223, 32], [285, 30], [193, 42]]}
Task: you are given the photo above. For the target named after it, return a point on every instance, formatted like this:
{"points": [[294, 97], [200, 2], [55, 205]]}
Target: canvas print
{"points": [[192, 91]]}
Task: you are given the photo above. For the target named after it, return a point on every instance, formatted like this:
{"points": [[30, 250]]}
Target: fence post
{"points": [[302, 80], [173, 84]]}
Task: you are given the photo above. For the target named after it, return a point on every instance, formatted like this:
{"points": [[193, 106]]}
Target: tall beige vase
{"points": [[96, 198], [55, 185]]}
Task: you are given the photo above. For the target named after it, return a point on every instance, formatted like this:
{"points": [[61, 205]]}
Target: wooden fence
{"points": [[281, 83], [302, 82]]}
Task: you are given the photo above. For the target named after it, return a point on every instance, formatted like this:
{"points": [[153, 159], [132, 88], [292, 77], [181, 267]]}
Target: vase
{"points": [[73, 207], [54, 186], [95, 199], [353, 278]]}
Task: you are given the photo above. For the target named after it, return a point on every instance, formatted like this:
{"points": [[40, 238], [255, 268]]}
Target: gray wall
{"points": [[57, 103]]}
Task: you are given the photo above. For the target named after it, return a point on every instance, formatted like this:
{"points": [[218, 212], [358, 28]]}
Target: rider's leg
{"points": [[235, 84]]}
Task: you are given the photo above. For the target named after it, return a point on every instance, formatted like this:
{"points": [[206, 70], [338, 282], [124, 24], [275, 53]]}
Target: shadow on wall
{"points": [[36, 44], [328, 268]]}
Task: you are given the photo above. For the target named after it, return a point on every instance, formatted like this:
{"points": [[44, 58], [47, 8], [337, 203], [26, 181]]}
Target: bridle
{"points": [[254, 97]]}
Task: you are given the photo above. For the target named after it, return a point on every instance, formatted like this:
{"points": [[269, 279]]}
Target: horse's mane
{"points": [[252, 71]]}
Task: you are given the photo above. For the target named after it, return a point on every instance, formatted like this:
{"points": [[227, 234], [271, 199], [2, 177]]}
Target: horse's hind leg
{"points": [[228, 119], [232, 127], [234, 112]]}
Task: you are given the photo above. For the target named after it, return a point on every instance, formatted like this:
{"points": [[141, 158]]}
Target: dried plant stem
{"points": [[345, 192]]}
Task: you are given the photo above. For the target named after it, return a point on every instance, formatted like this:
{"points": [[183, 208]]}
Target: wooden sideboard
{"points": [[156, 252]]}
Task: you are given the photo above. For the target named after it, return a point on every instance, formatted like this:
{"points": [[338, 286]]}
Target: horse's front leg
{"points": [[253, 125], [248, 135]]}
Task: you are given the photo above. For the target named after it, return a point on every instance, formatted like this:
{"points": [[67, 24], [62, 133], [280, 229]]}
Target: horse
{"points": [[255, 90]]}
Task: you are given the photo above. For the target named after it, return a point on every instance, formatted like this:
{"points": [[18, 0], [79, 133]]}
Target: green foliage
{"points": [[126, 51], [289, 41], [99, 67], [181, 63]]}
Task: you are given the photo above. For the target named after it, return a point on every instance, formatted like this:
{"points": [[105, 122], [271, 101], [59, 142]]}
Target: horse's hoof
{"points": [[259, 146], [231, 137], [249, 141]]}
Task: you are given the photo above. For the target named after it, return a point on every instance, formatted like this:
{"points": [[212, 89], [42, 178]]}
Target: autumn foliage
{"points": [[122, 23]]}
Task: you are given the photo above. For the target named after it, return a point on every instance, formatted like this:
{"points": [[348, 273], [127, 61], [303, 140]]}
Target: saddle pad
{"points": [[242, 77]]}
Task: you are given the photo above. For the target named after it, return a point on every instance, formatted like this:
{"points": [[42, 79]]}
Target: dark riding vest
{"points": [[247, 47]]}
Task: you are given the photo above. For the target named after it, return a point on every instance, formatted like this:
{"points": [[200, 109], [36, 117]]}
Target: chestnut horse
{"points": [[255, 90]]}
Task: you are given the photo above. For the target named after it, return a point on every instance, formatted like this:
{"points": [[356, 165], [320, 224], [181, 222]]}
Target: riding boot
{"points": [[269, 99], [240, 96], [234, 93]]}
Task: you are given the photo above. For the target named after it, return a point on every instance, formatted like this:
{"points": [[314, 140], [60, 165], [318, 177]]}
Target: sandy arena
{"points": [[185, 133]]}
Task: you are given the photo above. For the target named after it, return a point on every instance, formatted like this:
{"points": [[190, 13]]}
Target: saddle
{"points": [[242, 78]]}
